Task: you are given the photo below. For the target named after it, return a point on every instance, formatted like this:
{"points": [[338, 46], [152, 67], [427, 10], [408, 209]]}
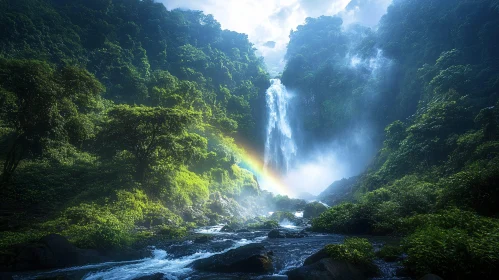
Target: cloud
{"points": [[272, 20]]}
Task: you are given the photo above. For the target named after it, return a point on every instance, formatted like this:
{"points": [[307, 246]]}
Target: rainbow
{"points": [[252, 161]]}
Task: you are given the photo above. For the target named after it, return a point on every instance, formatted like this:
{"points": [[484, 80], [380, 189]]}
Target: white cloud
{"points": [[272, 20]]}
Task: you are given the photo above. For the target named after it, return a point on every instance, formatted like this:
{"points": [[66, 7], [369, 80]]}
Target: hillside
{"points": [[118, 114], [434, 85]]}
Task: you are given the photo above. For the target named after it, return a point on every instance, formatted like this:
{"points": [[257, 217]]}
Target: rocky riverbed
{"points": [[213, 253]]}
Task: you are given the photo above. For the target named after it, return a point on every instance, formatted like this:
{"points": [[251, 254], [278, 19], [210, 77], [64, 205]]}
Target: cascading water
{"points": [[280, 148]]}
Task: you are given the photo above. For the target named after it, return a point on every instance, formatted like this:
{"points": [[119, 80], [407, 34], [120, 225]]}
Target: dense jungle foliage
{"points": [[436, 178], [116, 114], [119, 121]]}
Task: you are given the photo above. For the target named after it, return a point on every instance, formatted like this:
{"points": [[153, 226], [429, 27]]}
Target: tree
{"points": [[37, 101], [144, 131]]}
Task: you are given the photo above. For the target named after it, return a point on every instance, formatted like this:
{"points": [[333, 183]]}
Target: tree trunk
{"points": [[14, 157]]}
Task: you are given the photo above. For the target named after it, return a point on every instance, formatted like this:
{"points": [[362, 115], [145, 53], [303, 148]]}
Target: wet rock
{"points": [[203, 239], [243, 230], [275, 233], [431, 277], [251, 258], [227, 228], [156, 276], [322, 254], [294, 235], [50, 252], [327, 269]]}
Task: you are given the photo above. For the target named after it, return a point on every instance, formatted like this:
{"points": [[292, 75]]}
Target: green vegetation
{"points": [[313, 210], [435, 179], [118, 120], [356, 251], [264, 225], [280, 216]]}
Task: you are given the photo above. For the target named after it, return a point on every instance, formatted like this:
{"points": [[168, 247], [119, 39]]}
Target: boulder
{"points": [[431, 277], [327, 269], [275, 233], [251, 258], [316, 257]]}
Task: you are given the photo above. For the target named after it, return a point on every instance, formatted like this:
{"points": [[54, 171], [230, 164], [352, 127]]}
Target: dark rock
{"points": [[52, 251], [327, 269], [156, 276], [316, 257], [227, 228], [243, 230], [294, 235], [275, 233], [203, 239], [251, 258], [402, 272], [431, 277]]}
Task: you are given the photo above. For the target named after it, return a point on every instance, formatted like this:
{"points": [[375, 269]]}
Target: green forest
{"points": [[124, 125], [118, 113], [435, 179]]}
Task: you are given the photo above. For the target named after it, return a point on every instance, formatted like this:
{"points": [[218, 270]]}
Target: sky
{"points": [[272, 20]]}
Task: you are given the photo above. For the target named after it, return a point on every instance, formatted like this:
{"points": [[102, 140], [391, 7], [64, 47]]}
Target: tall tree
{"points": [[37, 101], [144, 131]]}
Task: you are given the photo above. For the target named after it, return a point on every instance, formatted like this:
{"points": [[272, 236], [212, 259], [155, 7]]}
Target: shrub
{"points": [[475, 188], [313, 210], [264, 225], [448, 219], [172, 232], [344, 218], [453, 244], [92, 226], [354, 250], [281, 216]]}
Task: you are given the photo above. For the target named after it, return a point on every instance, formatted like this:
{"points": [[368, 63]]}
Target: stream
{"points": [[173, 261]]}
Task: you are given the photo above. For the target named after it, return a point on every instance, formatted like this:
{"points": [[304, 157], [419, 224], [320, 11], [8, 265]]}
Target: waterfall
{"points": [[280, 148]]}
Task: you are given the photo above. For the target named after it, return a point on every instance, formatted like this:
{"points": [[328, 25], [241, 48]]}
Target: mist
{"points": [[331, 162], [324, 156]]}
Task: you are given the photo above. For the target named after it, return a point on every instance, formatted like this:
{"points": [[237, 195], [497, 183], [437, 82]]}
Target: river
{"points": [[173, 261]]}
